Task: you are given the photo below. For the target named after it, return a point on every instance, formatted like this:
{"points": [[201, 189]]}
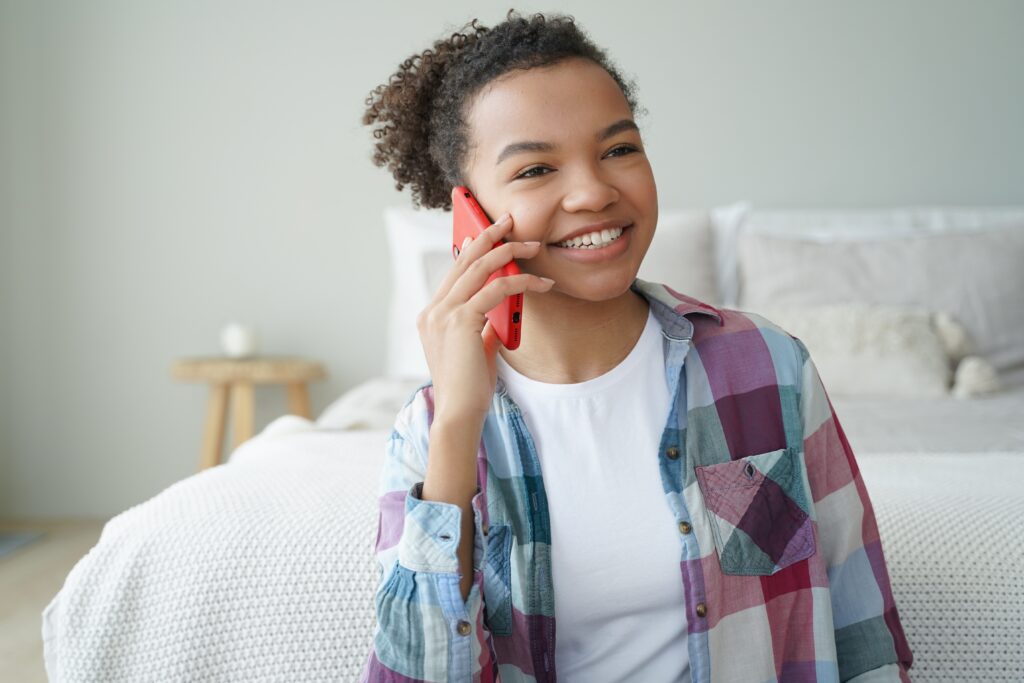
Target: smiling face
{"points": [[557, 148]]}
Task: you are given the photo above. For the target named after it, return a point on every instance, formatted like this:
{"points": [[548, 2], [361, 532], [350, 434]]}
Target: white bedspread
{"points": [[935, 425], [262, 569]]}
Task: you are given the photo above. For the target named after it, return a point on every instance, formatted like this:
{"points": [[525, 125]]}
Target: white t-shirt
{"points": [[615, 546]]}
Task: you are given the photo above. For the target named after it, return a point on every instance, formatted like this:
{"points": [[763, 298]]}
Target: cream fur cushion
{"points": [[886, 351]]}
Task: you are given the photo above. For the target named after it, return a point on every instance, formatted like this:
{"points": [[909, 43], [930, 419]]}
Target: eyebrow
{"points": [[538, 146]]}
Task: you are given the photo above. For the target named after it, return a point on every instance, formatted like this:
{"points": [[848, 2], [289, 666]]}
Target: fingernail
{"points": [[532, 244], [547, 279], [504, 217], [464, 243]]}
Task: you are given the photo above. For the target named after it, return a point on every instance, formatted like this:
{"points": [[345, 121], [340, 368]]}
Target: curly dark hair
{"points": [[422, 137]]}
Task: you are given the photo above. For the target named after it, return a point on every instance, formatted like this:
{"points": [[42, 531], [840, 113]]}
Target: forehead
{"points": [[570, 99]]}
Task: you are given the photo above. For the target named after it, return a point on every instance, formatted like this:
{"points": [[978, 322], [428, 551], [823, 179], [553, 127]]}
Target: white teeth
{"points": [[593, 240]]}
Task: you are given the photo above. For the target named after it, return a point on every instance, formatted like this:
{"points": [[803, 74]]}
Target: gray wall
{"points": [[168, 166]]}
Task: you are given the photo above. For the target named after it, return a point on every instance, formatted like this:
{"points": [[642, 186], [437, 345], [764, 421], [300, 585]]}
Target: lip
{"points": [[610, 224], [606, 253]]}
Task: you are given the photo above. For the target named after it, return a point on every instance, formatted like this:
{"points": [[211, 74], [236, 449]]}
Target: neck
{"points": [[568, 340]]}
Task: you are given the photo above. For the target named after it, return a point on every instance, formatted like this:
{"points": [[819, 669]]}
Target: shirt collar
{"points": [[671, 307]]}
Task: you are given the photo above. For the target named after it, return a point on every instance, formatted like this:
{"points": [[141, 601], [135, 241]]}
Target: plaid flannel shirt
{"points": [[780, 559]]}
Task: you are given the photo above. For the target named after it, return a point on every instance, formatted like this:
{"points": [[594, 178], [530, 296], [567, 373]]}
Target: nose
{"points": [[589, 192]]}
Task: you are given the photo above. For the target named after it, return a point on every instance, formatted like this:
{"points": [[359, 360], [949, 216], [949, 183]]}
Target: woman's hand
{"points": [[457, 338]]}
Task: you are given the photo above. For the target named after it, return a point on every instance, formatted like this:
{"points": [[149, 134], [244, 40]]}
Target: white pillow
{"points": [[420, 254], [975, 276], [681, 255], [726, 223], [831, 225]]}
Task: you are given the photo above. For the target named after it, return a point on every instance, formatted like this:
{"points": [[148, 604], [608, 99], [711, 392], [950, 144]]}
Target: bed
{"points": [[262, 569]]}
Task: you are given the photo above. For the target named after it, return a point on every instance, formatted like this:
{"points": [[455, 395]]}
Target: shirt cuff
{"points": [[430, 537]]}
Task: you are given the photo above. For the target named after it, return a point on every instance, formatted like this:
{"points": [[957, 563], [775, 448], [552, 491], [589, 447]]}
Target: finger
{"points": [[486, 240], [491, 340], [494, 233], [500, 288], [462, 252], [468, 253], [477, 273]]}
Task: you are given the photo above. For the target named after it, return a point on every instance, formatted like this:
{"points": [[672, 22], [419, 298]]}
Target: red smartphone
{"points": [[469, 220]]}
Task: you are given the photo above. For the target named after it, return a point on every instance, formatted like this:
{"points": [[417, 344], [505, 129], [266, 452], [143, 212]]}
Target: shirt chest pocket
{"points": [[497, 580], [759, 509]]}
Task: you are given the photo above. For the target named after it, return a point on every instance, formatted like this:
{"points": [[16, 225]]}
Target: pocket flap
{"points": [[759, 511]]}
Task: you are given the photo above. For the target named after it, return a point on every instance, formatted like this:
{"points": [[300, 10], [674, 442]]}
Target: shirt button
{"points": [[672, 453], [464, 628], [701, 609], [685, 527]]}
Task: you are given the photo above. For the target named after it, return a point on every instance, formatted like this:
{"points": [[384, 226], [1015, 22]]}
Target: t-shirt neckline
{"points": [[518, 381]]}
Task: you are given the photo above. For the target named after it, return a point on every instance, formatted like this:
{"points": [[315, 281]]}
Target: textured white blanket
{"points": [[954, 543], [262, 569]]}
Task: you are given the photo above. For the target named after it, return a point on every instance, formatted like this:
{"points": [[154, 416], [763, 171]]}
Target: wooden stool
{"points": [[236, 376]]}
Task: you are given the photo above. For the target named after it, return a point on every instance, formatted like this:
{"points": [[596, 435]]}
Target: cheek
{"points": [[532, 219], [641, 187]]}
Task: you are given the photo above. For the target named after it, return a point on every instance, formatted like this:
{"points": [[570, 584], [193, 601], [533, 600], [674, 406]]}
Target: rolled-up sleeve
{"points": [[425, 630], [870, 643]]}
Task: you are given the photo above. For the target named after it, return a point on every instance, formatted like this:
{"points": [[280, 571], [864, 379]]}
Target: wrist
{"points": [[457, 426]]}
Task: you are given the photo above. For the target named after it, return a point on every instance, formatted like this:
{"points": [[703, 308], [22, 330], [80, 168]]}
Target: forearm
{"points": [[452, 478]]}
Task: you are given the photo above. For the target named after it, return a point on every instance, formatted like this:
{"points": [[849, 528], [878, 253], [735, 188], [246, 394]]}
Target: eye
{"points": [[538, 171], [529, 173], [624, 149]]}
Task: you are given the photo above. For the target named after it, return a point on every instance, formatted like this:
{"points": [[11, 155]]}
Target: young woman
{"points": [[664, 479]]}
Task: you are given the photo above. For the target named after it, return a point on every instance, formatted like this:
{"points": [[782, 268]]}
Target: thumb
{"points": [[491, 341]]}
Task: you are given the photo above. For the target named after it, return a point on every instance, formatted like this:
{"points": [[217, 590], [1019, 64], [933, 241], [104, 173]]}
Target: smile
{"points": [[593, 240], [610, 248]]}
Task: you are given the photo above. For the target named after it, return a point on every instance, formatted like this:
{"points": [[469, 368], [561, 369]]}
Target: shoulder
{"points": [[421, 398], [747, 341], [416, 414]]}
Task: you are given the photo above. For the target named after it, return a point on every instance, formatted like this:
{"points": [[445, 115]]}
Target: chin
{"points": [[599, 287]]}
